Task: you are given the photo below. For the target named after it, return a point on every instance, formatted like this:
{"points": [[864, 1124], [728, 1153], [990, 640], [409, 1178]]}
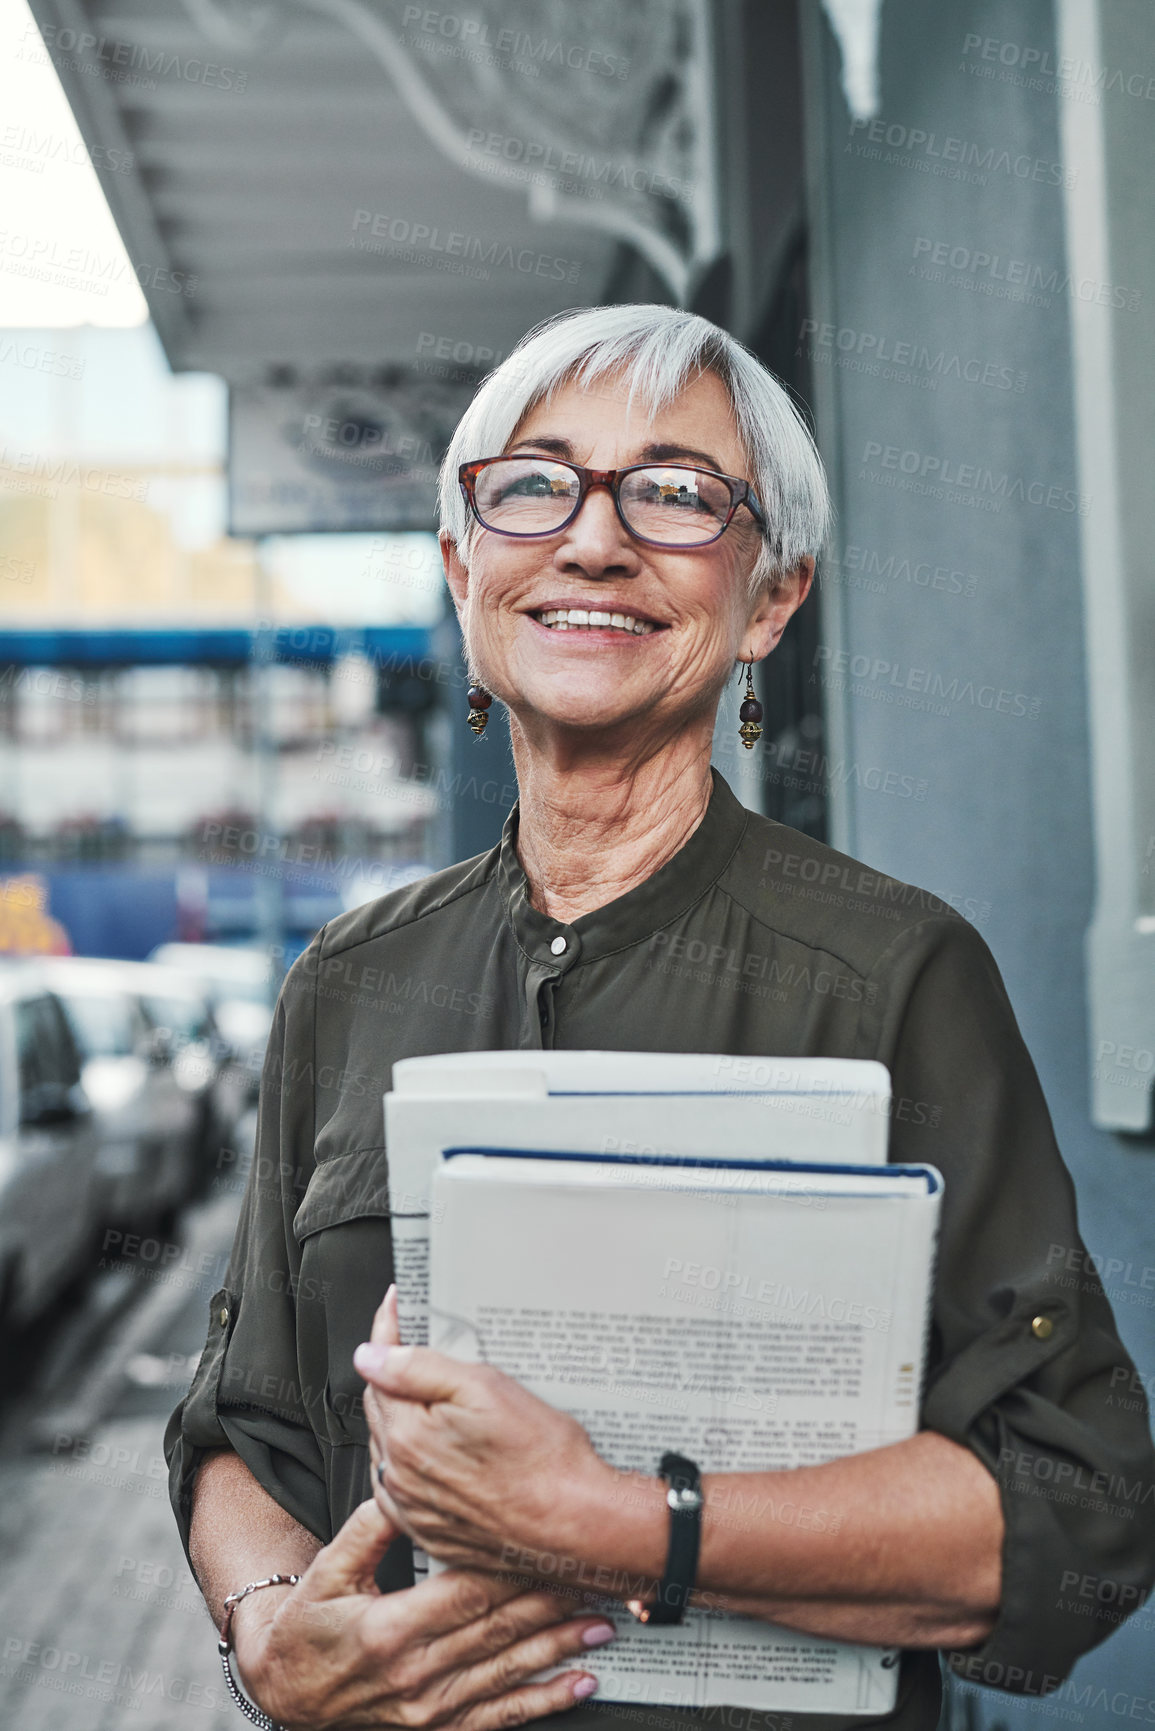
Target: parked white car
{"points": [[49, 1194], [239, 984], [147, 1115]]}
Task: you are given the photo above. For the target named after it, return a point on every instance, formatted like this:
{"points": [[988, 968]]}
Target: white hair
{"points": [[659, 350]]}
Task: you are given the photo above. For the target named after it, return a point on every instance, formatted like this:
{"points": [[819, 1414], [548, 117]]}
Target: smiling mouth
{"points": [[592, 619]]}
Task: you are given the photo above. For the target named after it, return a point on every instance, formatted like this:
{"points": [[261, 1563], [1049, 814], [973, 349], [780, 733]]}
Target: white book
{"points": [[782, 1326], [639, 1104], [665, 1072]]}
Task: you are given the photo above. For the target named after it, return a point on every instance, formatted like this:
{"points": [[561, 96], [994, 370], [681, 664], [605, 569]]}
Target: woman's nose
{"points": [[597, 540]]}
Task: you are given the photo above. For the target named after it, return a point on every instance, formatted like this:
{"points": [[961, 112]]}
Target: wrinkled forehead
{"points": [[614, 409]]}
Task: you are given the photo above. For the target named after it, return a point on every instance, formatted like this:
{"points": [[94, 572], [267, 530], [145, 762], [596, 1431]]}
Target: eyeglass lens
{"points": [[673, 504]]}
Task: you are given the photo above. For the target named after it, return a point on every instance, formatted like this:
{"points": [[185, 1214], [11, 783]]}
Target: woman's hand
{"points": [[477, 1470], [457, 1651]]}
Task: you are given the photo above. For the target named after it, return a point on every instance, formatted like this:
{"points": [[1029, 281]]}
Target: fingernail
{"points": [[583, 1687], [370, 1358], [598, 1634]]}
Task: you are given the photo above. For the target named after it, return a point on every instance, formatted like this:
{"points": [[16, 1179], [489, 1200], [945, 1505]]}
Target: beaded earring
{"points": [[479, 701], [750, 713]]}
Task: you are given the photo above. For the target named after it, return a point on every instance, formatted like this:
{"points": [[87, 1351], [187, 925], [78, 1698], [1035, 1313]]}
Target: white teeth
{"points": [[583, 618]]}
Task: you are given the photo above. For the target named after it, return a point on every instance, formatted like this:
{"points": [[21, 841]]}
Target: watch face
{"points": [[685, 1498]]}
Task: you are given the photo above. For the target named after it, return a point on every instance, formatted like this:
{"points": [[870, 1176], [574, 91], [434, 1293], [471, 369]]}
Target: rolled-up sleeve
{"points": [[249, 1393], [1026, 1367]]}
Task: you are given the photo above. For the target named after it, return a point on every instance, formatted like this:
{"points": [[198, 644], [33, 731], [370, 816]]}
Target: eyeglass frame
{"points": [[612, 479]]}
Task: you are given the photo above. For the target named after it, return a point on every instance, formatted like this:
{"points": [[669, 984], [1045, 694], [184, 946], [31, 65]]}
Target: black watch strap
{"points": [[684, 1500]]}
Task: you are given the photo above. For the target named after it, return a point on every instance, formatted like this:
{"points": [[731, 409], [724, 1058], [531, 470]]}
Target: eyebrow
{"points": [[653, 453]]}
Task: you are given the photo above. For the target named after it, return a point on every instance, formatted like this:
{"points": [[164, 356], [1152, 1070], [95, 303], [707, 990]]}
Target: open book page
{"points": [[763, 1322]]}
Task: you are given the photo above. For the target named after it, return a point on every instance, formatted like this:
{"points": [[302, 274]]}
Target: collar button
{"points": [[557, 947]]}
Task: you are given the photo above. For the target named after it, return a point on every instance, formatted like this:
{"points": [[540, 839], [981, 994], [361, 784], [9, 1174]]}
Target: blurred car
{"points": [[239, 984], [49, 1194], [203, 1061], [148, 1121]]}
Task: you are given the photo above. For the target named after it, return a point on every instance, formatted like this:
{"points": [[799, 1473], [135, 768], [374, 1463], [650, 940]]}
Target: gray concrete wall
{"points": [[959, 707]]}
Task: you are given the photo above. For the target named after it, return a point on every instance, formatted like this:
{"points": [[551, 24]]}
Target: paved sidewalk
{"points": [[101, 1625]]}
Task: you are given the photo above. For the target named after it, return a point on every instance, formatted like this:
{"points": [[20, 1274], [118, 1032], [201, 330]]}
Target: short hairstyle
{"points": [[660, 350]]}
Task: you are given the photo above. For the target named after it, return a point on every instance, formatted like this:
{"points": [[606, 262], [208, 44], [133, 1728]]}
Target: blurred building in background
{"points": [[181, 711]]}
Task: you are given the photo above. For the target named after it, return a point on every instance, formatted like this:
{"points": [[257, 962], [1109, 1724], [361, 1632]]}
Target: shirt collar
{"points": [[645, 909]]}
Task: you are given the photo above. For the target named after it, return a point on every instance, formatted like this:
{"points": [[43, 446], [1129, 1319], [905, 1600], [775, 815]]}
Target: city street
{"points": [[103, 1627]]}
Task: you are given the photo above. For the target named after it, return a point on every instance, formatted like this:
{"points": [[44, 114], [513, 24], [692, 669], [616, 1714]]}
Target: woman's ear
{"points": [[776, 607], [456, 571]]}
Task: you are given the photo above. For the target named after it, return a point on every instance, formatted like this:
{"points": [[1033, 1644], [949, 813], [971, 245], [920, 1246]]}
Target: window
{"points": [[106, 1024], [45, 1054]]}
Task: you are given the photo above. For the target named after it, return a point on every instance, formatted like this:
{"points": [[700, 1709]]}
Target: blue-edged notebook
{"points": [[755, 1314]]}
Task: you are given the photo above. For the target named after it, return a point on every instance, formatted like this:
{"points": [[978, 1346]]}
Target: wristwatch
{"points": [[684, 1500]]}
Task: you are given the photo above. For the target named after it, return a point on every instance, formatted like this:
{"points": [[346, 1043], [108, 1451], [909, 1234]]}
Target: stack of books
{"points": [[690, 1252]]}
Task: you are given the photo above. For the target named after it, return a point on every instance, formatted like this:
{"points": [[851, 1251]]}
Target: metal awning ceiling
{"points": [[316, 182]]}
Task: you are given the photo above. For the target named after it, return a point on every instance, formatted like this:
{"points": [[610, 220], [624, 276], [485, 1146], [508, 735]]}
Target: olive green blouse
{"points": [[752, 940]]}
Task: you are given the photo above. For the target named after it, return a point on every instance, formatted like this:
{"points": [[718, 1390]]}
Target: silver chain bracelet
{"points": [[225, 1647]]}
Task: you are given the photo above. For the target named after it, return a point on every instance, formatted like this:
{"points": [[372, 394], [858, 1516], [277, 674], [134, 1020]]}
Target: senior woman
{"points": [[631, 511]]}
